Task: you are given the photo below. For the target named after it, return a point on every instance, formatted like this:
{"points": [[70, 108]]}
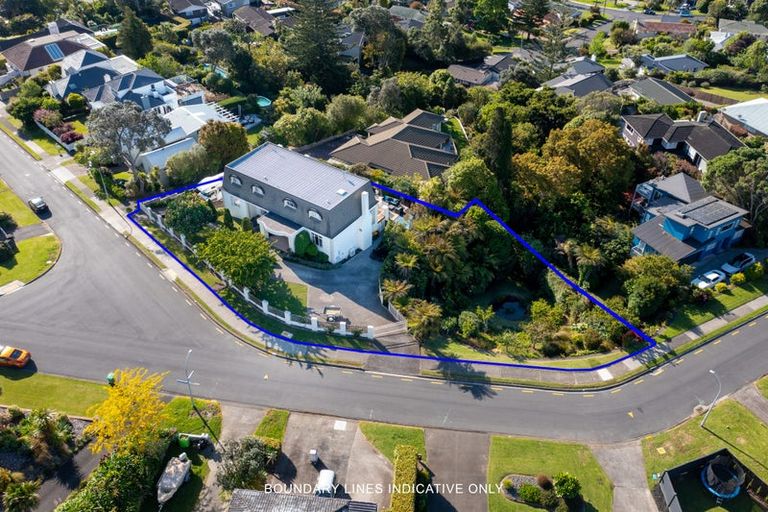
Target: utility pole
{"points": [[188, 379], [712, 405]]}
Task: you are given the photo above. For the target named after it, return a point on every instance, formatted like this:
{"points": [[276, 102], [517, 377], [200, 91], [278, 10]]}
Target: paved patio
{"points": [[354, 287]]}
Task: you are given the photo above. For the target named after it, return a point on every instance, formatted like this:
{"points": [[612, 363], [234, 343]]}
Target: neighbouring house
{"points": [[144, 87], [412, 145], [54, 27], [750, 116], [228, 7], [33, 55], [258, 501], [87, 69], [670, 63], [700, 141], [256, 19], [680, 220], [407, 18], [486, 73], [351, 44], [193, 10], [582, 76], [719, 39], [186, 122], [659, 91], [651, 28], [288, 193], [750, 27]]}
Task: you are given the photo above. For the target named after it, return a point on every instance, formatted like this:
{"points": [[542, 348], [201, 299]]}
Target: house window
{"points": [[289, 203], [316, 239], [629, 128], [315, 215], [235, 180], [257, 190]]}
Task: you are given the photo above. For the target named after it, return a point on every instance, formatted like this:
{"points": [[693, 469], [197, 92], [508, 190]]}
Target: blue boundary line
{"points": [[453, 214]]}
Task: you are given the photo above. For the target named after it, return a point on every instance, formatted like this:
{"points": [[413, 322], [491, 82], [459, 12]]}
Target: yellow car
{"points": [[11, 356]]}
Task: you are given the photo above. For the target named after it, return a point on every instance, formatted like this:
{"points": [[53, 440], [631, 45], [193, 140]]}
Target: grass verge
{"points": [[83, 196], [533, 457], [730, 425], [762, 386], [273, 424], [36, 255], [31, 390], [18, 140], [39, 137], [11, 203], [385, 437], [734, 94]]}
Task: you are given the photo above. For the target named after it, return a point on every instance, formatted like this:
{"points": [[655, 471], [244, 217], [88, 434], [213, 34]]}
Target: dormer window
{"points": [[235, 180], [257, 190], [315, 215], [289, 203]]}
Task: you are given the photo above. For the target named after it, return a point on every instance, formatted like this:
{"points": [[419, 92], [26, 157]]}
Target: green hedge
{"points": [[120, 482], [403, 495]]}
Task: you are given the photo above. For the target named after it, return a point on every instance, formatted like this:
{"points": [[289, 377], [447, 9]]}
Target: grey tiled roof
{"points": [[682, 187], [652, 126], [422, 118], [579, 85], [653, 234], [660, 91], [470, 75]]}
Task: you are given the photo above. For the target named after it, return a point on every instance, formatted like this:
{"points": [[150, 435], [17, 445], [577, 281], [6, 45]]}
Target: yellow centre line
{"points": [[348, 372], [698, 352], [526, 391], [497, 388], [588, 396], [658, 372], [680, 360], [639, 381], [376, 377], [406, 380], [436, 383], [734, 333], [716, 342], [752, 324], [558, 394], [616, 391]]}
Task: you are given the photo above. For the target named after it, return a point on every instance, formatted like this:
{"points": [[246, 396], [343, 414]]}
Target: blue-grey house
{"points": [[681, 220]]}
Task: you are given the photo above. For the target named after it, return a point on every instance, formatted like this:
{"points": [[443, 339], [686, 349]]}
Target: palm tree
{"points": [[392, 290], [588, 259], [21, 497], [423, 318], [568, 248], [406, 263]]}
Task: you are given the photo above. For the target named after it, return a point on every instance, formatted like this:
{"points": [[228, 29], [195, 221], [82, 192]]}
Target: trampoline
{"points": [[723, 477]]}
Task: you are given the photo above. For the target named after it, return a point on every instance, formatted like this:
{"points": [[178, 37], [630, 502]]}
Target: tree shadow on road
{"points": [[467, 378]]}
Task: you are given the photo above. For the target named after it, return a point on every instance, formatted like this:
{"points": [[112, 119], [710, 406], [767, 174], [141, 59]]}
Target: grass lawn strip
{"points": [[273, 424], [18, 140], [734, 94], [532, 457], [83, 196], [36, 255], [181, 416], [32, 390], [731, 425], [762, 386], [11, 203], [385, 437]]}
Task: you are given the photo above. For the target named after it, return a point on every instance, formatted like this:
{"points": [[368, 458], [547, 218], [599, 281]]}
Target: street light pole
{"points": [[712, 405], [188, 379]]}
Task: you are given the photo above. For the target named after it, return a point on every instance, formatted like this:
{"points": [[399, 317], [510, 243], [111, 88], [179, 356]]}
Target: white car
{"points": [[708, 279], [739, 263]]}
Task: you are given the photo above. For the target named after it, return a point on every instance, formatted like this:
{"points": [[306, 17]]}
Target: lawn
{"points": [[531, 457], [691, 315], [286, 296], [35, 256], [82, 195], [385, 437], [731, 425], [762, 385], [181, 416], [735, 94], [31, 390], [273, 424], [11, 203], [253, 135], [37, 136], [693, 496], [453, 128]]}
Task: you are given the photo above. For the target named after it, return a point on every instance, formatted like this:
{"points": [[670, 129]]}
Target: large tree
{"points": [[530, 14], [188, 214], [190, 166], [245, 257], [133, 37], [741, 177], [130, 418], [385, 42], [313, 44], [122, 130], [223, 141], [492, 15], [216, 44]]}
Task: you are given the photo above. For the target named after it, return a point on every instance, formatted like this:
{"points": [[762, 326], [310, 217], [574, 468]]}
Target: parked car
{"points": [[325, 485], [37, 204], [708, 279], [650, 12], [739, 263], [12, 356]]}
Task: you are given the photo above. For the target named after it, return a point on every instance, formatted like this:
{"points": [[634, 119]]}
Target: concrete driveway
{"points": [[457, 458], [716, 261], [354, 287]]}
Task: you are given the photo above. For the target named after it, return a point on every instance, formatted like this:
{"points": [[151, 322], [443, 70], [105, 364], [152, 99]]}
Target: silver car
{"points": [[708, 279]]}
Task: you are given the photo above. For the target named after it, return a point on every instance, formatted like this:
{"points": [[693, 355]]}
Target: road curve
{"points": [[105, 306]]}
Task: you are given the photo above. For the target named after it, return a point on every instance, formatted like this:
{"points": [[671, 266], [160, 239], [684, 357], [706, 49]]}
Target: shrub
{"points": [[567, 486], [8, 477], [721, 287], [738, 279], [544, 482], [62, 129], [702, 296], [48, 118], [549, 499], [244, 463], [21, 497], [6, 250], [75, 101], [228, 222], [246, 224], [406, 462], [70, 137], [529, 494], [508, 485], [7, 222], [450, 325], [755, 272], [188, 214]]}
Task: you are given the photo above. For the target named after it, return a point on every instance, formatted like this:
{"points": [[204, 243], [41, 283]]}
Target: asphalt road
{"points": [[103, 306]]}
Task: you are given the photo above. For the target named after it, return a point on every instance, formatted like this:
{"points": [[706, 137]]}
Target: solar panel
{"points": [[54, 51], [710, 213]]}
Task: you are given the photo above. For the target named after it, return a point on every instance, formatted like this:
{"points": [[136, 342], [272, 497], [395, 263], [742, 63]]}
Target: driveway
{"points": [[717, 260], [354, 287], [457, 458]]}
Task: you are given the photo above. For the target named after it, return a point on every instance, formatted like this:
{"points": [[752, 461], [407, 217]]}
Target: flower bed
{"points": [[53, 125]]}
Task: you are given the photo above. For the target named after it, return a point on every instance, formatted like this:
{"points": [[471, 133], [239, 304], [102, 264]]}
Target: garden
{"points": [[545, 475]]}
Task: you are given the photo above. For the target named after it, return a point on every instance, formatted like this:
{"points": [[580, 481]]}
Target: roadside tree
{"points": [[244, 257], [188, 214]]}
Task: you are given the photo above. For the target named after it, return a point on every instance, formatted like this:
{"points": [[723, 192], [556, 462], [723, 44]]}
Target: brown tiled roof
{"points": [[668, 28], [32, 53], [257, 19]]}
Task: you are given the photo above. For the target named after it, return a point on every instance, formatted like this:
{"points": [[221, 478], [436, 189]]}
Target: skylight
{"points": [[54, 51]]}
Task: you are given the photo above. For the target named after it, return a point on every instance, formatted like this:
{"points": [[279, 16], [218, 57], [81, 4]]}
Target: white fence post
{"points": [[265, 305], [247, 294], [287, 317], [342, 327], [370, 333], [313, 323]]}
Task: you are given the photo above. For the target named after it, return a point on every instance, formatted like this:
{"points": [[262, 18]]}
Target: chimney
{"points": [[145, 102], [53, 28], [364, 202], [702, 117], [107, 78]]}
